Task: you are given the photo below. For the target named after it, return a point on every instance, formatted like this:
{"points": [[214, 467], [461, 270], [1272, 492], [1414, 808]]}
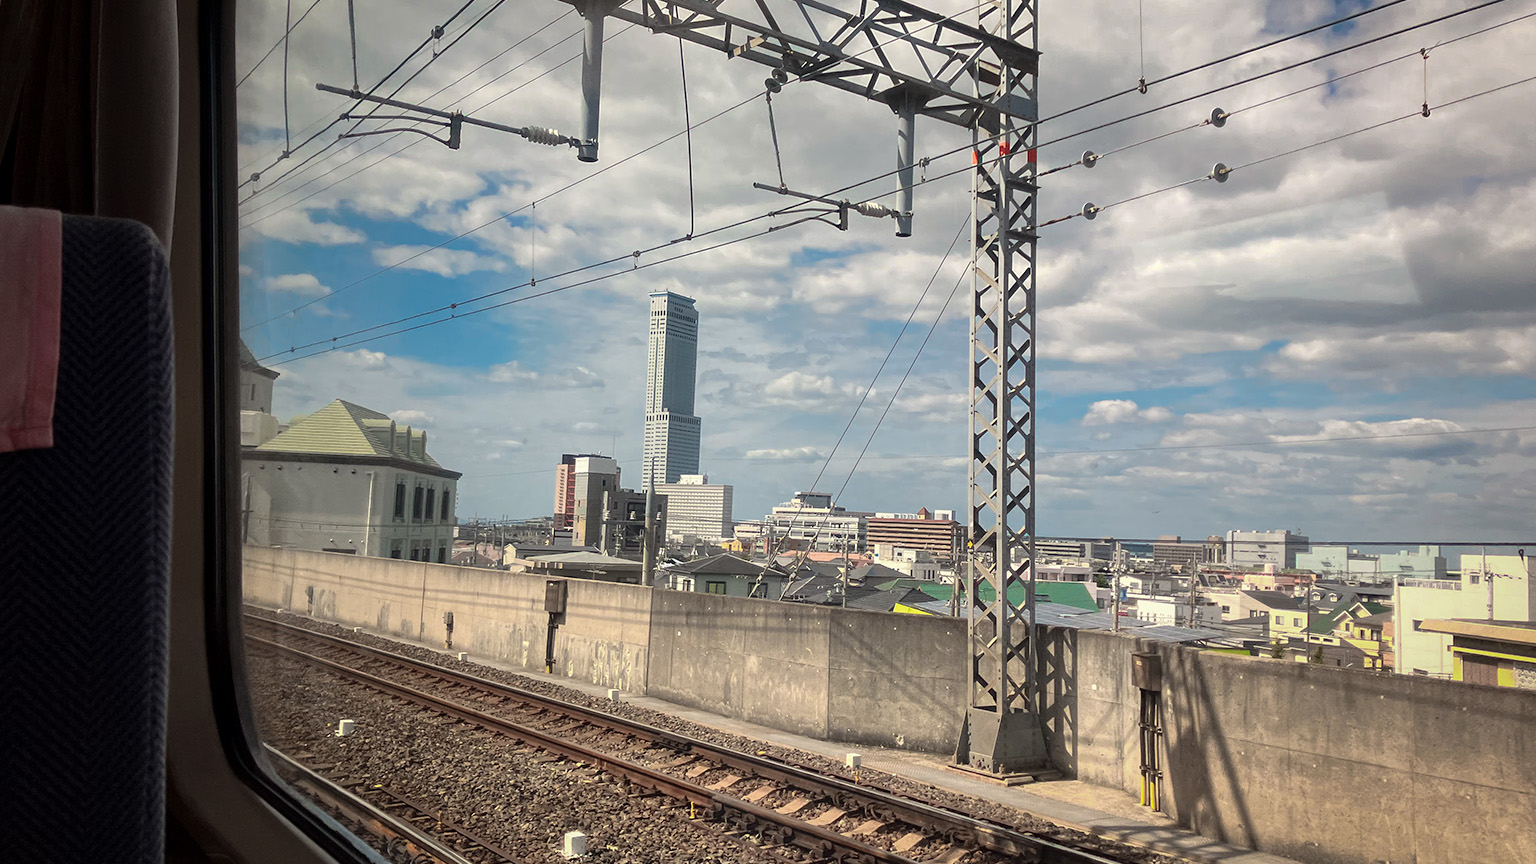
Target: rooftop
{"points": [[344, 429]]}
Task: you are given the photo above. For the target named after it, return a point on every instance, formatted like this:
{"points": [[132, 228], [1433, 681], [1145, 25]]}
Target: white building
{"points": [[810, 521], [1175, 611], [1340, 563], [350, 480], [697, 508], [257, 423], [1501, 589], [1258, 548], [671, 428]]}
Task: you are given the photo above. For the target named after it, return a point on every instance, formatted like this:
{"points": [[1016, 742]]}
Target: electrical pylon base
{"points": [[1001, 744]]}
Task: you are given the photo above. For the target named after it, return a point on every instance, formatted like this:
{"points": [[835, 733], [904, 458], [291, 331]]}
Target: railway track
{"points": [[405, 829], [826, 817]]}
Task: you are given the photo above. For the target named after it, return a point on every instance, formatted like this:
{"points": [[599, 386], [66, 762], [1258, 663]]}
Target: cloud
{"points": [[794, 454], [297, 226], [412, 416], [443, 262], [569, 377], [1108, 412], [304, 284]]}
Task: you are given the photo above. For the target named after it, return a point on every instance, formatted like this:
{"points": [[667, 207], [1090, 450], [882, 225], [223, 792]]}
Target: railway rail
{"points": [[402, 826], [852, 822]]}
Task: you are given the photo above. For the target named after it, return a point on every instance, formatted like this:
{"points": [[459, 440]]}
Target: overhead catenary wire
{"points": [[280, 43], [954, 151], [1331, 80], [287, 152], [575, 270], [881, 368], [1144, 85], [262, 216], [877, 46], [932, 328], [1090, 211]]}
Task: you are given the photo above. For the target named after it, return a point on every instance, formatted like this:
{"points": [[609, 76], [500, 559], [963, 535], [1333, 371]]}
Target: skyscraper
{"points": [[671, 429]]}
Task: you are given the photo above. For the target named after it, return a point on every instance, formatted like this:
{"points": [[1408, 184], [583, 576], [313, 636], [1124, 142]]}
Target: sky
{"points": [[1272, 351]]}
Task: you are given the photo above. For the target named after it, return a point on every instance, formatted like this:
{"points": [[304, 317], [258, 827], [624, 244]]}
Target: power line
{"points": [[1221, 172], [401, 65], [458, 315], [287, 31], [932, 328], [1225, 115], [836, 192], [1144, 85], [876, 377], [358, 155], [686, 131], [1089, 211], [1155, 448]]}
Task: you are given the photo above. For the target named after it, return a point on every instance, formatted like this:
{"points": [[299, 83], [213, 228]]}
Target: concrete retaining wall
{"points": [[1321, 764]]}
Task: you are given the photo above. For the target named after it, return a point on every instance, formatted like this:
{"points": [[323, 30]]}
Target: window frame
{"points": [[210, 691]]}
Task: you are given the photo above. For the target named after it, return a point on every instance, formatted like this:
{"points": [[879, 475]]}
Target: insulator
{"points": [[1220, 172], [773, 85], [1090, 211], [1090, 158], [541, 135], [1219, 118], [874, 209]]}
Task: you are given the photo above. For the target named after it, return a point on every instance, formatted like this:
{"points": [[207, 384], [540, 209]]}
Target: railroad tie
{"points": [[724, 782], [953, 856], [829, 817], [681, 761], [794, 806], [868, 827], [697, 770], [759, 793], [907, 841]]}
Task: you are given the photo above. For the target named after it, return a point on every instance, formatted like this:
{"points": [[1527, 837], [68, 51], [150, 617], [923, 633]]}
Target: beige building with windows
{"points": [[350, 480], [697, 508]]}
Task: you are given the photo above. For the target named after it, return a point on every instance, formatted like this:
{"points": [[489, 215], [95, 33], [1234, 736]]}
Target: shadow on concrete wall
{"points": [[1056, 702], [1207, 791]]}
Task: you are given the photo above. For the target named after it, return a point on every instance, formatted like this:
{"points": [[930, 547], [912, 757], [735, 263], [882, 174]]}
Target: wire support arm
{"points": [[535, 134], [941, 53]]}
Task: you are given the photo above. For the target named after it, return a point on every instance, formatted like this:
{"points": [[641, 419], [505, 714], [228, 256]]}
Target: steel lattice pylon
{"points": [[856, 51], [1001, 732]]}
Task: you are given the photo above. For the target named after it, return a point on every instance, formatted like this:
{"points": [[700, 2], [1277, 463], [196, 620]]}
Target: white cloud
{"points": [[412, 416], [443, 262], [297, 283], [798, 454], [566, 377], [1107, 412]]}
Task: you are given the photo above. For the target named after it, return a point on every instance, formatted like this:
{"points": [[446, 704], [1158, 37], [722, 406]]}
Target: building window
{"points": [[714, 587], [1296, 621], [394, 548], [446, 496], [399, 501], [442, 554], [431, 507], [416, 504]]}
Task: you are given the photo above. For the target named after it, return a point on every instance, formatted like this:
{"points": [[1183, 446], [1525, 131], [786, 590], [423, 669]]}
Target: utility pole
{"points": [[1116, 568], [648, 555], [1194, 578]]}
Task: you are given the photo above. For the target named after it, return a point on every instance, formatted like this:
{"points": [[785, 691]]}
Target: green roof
{"points": [[344, 429], [1066, 593]]}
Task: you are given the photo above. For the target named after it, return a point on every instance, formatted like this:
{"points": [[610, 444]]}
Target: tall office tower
{"points": [[671, 429]]}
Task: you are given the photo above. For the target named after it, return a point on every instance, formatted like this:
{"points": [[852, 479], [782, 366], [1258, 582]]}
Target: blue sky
{"points": [[1378, 286]]}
